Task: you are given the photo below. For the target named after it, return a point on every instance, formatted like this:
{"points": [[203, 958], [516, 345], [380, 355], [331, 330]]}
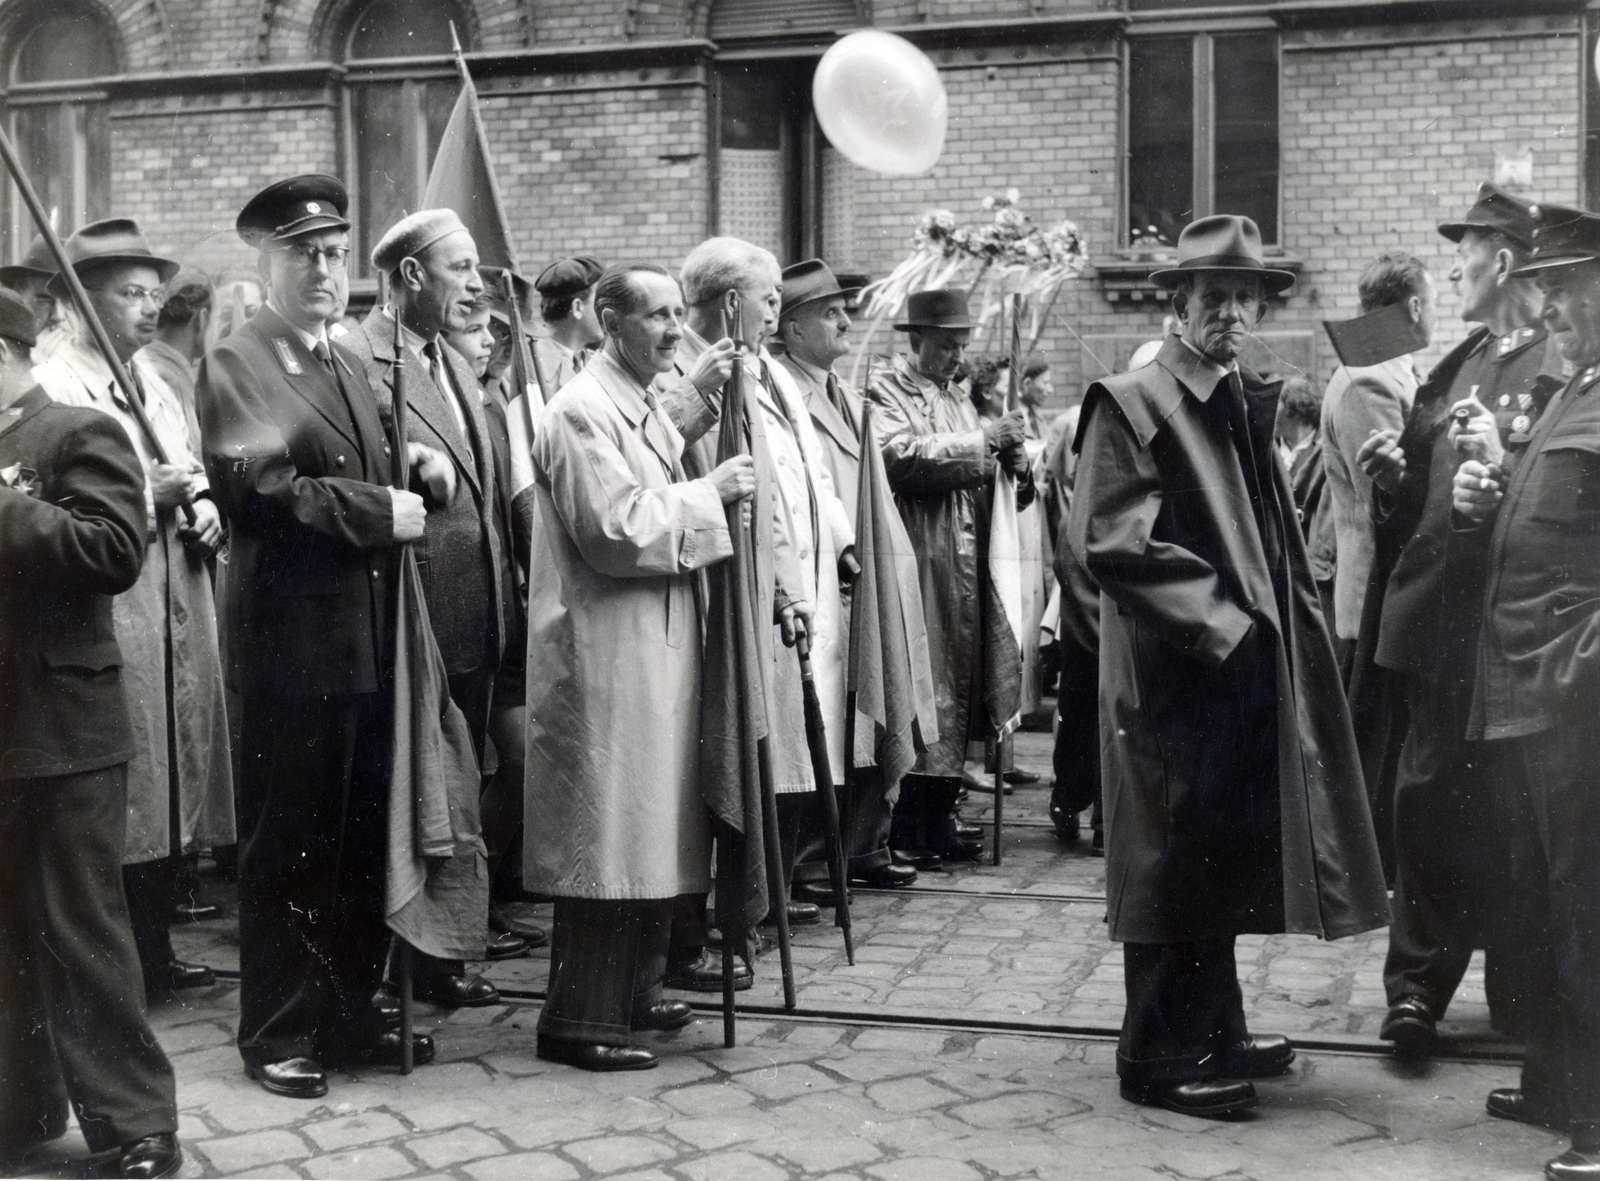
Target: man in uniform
{"points": [[814, 327], [300, 465], [566, 304], [72, 535], [1536, 689], [940, 462], [431, 263], [1451, 857], [1232, 787], [180, 779]]}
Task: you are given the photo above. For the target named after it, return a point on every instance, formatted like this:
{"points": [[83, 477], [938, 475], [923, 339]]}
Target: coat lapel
{"points": [[303, 372], [630, 402], [23, 409], [825, 414], [472, 410], [423, 396]]}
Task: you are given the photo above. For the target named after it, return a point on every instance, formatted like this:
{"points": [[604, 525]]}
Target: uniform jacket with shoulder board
{"points": [[1160, 491], [301, 469], [72, 536]]}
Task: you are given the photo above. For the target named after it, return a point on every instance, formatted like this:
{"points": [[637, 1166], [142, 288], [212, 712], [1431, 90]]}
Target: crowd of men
{"points": [[217, 518]]}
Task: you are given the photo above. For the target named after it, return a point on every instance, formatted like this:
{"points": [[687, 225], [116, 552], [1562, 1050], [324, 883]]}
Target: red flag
{"points": [[463, 179]]}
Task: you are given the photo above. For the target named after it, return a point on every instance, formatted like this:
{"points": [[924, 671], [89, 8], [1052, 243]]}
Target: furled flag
{"points": [[1002, 621]]}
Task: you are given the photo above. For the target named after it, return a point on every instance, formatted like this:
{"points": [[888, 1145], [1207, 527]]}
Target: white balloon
{"points": [[881, 104]]}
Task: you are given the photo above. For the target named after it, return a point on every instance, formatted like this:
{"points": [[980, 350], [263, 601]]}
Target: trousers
{"points": [[864, 814], [607, 960], [1184, 1010], [72, 1023]]}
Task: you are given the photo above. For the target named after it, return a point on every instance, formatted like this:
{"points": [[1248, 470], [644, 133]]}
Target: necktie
{"points": [[836, 396], [440, 372], [323, 355]]}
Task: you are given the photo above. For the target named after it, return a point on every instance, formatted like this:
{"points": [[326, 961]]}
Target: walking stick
{"points": [[729, 1035], [402, 470], [817, 740], [80, 300]]}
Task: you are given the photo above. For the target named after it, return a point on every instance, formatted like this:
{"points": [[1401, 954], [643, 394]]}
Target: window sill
{"points": [[1125, 278]]}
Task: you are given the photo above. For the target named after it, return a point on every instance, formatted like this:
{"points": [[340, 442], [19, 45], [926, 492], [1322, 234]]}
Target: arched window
{"points": [[58, 118], [397, 108]]}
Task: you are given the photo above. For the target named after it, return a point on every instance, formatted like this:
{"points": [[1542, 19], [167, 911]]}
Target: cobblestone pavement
{"points": [[1020, 1081]]}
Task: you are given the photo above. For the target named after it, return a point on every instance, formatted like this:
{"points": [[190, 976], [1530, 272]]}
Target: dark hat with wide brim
{"points": [[1563, 236], [943, 307], [102, 243], [297, 205], [38, 263], [494, 284], [16, 319], [1224, 244], [1499, 211], [806, 282]]}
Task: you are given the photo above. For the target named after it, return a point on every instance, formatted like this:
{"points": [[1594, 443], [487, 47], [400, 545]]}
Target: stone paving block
{"points": [[365, 1128], [453, 1147], [921, 1043], [538, 1129], [815, 1154], [909, 1094], [360, 1164], [708, 1098], [610, 1153], [1018, 1109], [870, 1068], [237, 1153], [814, 1037], [732, 1166], [522, 1166], [1016, 1003], [784, 1082], [197, 1035], [925, 1168], [720, 1131]]}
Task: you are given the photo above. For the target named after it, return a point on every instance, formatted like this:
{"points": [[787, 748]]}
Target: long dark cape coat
{"points": [[1200, 843]]}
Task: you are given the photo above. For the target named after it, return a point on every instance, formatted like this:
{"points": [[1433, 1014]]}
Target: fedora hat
{"points": [[115, 240], [1562, 237], [943, 307], [1224, 243], [36, 264], [808, 281], [1495, 209]]}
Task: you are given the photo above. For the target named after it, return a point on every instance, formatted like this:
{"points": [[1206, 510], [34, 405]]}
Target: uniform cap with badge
{"points": [[1497, 211], [102, 243], [1562, 237], [288, 208]]}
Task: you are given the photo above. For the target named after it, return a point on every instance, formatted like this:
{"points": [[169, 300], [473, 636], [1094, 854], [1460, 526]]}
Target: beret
{"points": [[16, 319], [296, 205], [413, 234], [569, 276]]}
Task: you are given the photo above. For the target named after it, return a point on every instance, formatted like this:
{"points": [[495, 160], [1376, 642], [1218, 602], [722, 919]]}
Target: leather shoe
{"points": [[153, 1156], [384, 1050], [177, 974], [921, 859], [297, 1078], [1215, 1099], [505, 946], [801, 914], [1067, 824], [817, 893], [663, 1016], [1410, 1026], [966, 831], [195, 912], [387, 1006], [705, 974], [586, 1056], [507, 922], [1514, 1104], [886, 877], [455, 992], [1020, 777], [1258, 1056], [1574, 1165], [958, 849]]}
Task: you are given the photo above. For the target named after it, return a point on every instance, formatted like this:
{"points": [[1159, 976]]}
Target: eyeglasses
{"points": [[307, 256], [135, 296]]}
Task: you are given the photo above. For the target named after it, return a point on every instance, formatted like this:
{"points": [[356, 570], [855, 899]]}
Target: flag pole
{"points": [[80, 300], [1002, 743], [822, 772]]}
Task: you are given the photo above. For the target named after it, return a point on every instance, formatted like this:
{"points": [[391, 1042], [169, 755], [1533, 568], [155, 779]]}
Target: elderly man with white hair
{"points": [[724, 278]]}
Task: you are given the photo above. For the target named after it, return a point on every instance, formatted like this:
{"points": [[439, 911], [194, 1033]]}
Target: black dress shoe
{"points": [[965, 831], [455, 992], [1020, 777], [502, 919], [886, 877], [664, 1016], [1514, 1104], [1410, 1026], [817, 893], [170, 977], [705, 974], [195, 912], [801, 914], [153, 1156], [505, 946], [1259, 1056], [586, 1056], [921, 859], [958, 849], [297, 1078], [1067, 824], [1216, 1099], [1574, 1165], [383, 1050]]}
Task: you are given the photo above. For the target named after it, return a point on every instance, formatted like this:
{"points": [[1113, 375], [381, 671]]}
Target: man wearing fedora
{"points": [[814, 326], [1536, 688], [30, 279], [1451, 859], [180, 779], [940, 461], [300, 464], [1233, 793], [72, 529]]}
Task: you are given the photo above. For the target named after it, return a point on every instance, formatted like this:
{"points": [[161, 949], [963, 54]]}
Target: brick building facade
{"points": [[636, 127]]}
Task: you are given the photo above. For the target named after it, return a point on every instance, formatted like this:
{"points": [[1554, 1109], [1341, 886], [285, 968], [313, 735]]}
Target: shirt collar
{"points": [[1220, 371], [309, 339], [815, 373], [414, 342]]}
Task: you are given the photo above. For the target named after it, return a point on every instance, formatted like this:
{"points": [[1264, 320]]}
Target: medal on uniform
{"points": [[1520, 424], [1524, 401]]}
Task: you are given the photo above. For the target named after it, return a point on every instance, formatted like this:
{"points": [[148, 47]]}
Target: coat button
{"points": [[338, 460], [386, 448]]}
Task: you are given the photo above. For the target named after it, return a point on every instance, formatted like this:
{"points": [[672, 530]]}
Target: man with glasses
{"points": [[302, 468], [180, 779]]}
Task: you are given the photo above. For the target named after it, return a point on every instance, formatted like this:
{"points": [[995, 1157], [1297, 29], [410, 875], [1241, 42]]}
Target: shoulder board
{"points": [[286, 357], [1517, 341]]}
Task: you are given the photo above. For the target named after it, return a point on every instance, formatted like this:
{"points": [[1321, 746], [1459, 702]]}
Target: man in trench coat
{"points": [[1233, 796], [616, 828]]}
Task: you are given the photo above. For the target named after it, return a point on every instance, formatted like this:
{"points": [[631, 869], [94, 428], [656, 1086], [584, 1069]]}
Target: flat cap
{"points": [[1495, 209], [38, 263], [16, 319], [1562, 236], [288, 208], [569, 277], [413, 234]]}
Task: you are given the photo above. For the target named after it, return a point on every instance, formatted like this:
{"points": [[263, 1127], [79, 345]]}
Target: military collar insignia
{"points": [[286, 357], [1585, 379], [1516, 341]]}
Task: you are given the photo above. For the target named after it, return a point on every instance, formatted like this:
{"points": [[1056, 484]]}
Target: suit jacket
{"points": [[72, 535], [300, 465], [459, 554], [840, 436]]}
